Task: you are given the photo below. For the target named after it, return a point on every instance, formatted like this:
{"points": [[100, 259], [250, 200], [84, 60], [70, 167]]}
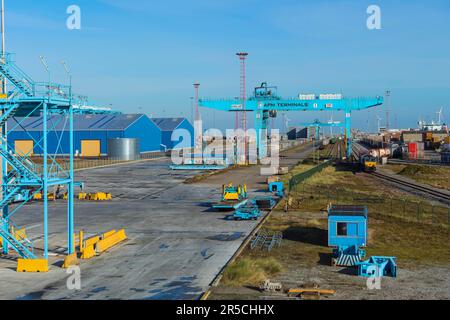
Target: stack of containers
{"points": [[420, 150], [412, 150]]}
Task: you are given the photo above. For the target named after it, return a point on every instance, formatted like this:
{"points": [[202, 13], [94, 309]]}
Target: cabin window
{"points": [[341, 228]]}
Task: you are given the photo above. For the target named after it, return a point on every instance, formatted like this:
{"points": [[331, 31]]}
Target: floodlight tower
{"points": [[388, 106], [197, 124], [197, 112], [242, 56]]}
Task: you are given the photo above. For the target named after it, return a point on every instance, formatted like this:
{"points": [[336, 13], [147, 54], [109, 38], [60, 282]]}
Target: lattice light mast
{"points": [[242, 56], [197, 124], [388, 106], [197, 112]]}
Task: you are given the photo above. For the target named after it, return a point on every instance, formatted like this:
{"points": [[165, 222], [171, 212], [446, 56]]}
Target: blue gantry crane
{"points": [[21, 175], [265, 103], [317, 125]]}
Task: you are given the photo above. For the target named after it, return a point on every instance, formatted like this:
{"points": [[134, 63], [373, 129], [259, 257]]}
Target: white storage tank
{"points": [[123, 149]]}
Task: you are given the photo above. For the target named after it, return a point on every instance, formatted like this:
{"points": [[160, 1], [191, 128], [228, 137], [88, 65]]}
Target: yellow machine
{"points": [[230, 192]]}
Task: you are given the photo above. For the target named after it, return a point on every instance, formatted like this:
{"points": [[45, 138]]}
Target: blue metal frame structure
{"points": [[266, 103], [317, 124], [21, 175]]}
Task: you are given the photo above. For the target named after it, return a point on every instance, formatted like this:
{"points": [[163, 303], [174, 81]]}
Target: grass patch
{"points": [[432, 175], [247, 271]]}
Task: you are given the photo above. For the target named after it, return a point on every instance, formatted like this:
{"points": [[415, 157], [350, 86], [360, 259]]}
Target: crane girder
{"points": [[252, 104]]}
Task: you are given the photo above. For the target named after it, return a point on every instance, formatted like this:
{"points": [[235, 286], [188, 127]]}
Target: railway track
{"points": [[331, 152], [418, 162], [409, 186], [436, 194]]}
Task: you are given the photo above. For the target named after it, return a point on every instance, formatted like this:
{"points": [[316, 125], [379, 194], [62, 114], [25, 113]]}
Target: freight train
{"points": [[368, 159], [368, 163]]}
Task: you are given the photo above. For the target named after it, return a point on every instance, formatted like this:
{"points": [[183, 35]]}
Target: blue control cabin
{"points": [[277, 187], [347, 233]]}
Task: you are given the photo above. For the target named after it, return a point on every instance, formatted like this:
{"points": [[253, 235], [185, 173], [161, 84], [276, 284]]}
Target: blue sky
{"points": [[143, 55]]}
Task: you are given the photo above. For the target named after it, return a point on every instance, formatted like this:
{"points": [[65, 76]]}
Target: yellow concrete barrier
{"points": [[109, 233], [70, 260], [88, 252], [32, 265], [82, 196], [20, 234], [100, 196], [37, 196], [81, 240], [110, 241], [91, 241]]}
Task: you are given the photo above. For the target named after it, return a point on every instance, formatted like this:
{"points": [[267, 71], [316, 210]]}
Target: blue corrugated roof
{"points": [[80, 122], [167, 124]]}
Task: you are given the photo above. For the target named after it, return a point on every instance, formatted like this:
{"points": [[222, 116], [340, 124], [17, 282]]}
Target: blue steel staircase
{"points": [[8, 113], [22, 245], [22, 178], [23, 166], [16, 76], [22, 170]]}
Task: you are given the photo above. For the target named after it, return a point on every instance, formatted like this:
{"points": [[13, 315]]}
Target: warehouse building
{"points": [[169, 125], [91, 133]]}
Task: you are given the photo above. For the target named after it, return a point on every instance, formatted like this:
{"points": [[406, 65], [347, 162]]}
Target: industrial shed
{"points": [[168, 125], [91, 133]]}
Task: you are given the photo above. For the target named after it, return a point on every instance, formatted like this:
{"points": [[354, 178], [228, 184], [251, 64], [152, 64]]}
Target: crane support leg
{"points": [[348, 133], [261, 132]]}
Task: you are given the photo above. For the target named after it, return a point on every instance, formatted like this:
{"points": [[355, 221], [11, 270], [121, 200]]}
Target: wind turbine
{"points": [[439, 115], [378, 120], [330, 122], [286, 122]]}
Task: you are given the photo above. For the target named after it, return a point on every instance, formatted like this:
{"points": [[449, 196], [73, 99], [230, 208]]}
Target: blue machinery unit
{"points": [[347, 233], [247, 212], [20, 175], [378, 266], [265, 104]]}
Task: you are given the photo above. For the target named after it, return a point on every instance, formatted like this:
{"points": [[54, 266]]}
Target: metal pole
{"points": [[4, 135], [70, 192], [5, 182], [45, 178]]}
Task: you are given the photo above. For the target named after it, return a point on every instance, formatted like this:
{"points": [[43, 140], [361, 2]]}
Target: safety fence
{"points": [[297, 179], [316, 197], [84, 163]]}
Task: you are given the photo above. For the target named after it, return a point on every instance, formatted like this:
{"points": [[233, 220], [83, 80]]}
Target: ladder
{"points": [[16, 76], [23, 166], [22, 245]]}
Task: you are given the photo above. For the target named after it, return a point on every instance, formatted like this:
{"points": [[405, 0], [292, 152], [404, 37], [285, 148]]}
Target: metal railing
{"points": [[303, 176], [317, 197]]}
